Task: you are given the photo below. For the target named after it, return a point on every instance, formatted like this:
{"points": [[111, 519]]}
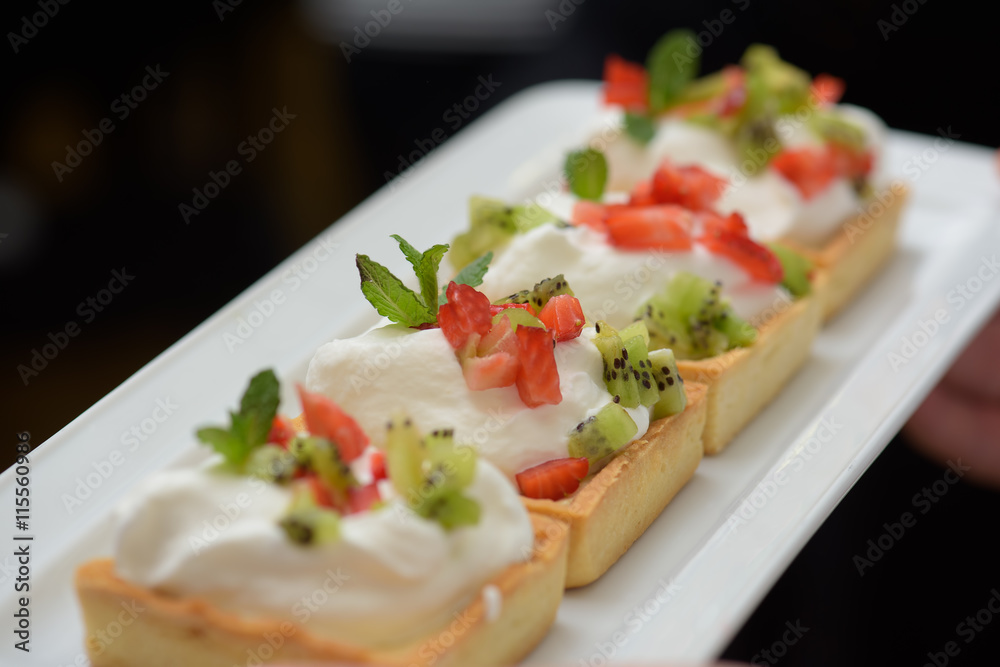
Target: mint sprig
{"points": [[587, 173], [425, 265], [672, 63], [249, 427], [639, 127], [472, 275]]}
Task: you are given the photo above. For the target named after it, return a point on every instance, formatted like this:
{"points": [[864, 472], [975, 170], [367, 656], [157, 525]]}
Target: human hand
{"points": [[960, 419]]}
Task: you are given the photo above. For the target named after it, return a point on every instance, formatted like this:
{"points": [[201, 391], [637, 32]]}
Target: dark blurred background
{"points": [[213, 72]]}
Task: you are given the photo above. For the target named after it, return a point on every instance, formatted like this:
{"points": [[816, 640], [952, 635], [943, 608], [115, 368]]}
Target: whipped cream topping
{"points": [[392, 576], [612, 283], [771, 206], [393, 368]]}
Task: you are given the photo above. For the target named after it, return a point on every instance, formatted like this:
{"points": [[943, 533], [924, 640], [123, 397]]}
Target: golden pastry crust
{"points": [[744, 380], [612, 509], [166, 631]]}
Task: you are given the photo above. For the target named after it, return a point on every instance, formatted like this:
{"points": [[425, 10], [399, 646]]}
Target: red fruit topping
{"points": [[590, 214], [809, 169], [563, 317], [732, 223], [690, 186], [496, 308], [538, 378], [325, 419], [827, 89], [642, 194], [494, 370], [663, 227], [501, 337], [752, 257], [361, 498], [849, 162], [282, 431], [467, 312], [553, 480], [626, 83], [378, 465], [320, 491]]}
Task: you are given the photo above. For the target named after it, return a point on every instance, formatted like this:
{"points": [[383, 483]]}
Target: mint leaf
{"points": [[471, 275], [425, 265], [639, 127], [249, 427], [390, 296], [587, 173], [412, 254], [671, 67]]}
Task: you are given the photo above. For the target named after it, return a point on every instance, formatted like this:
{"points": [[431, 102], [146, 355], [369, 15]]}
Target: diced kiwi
{"points": [[691, 317], [619, 376], [831, 126], [449, 466], [306, 523], [796, 269], [404, 456], [600, 436], [668, 381], [519, 317], [272, 463], [637, 328], [635, 345], [449, 508], [540, 294], [492, 223], [786, 84], [324, 458]]}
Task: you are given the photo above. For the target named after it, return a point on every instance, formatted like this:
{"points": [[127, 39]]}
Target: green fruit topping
{"points": [[306, 523], [786, 85], [432, 473], [519, 317], [637, 357], [324, 458], [691, 317], [833, 127], [587, 173], [492, 223], [668, 382], [599, 437], [540, 294], [272, 463], [619, 375], [796, 269]]}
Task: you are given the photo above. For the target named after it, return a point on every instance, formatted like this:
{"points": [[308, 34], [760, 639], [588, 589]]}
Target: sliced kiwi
{"points": [[600, 436], [448, 466], [691, 317], [637, 356], [668, 381], [518, 317], [540, 294], [272, 463], [619, 376], [796, 269], [492, 223], [404, 456], [307, 523]]}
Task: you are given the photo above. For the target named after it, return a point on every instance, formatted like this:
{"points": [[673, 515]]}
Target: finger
{"points": [[949, 426], [977, 370]]}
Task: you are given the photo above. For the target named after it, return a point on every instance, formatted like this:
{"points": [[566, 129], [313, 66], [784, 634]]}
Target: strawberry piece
{"points": [[378, 465], [320, 491], [663, 227], [755, 259], [626, 84], [809, 169], [690, 186], [494, 370], [553, 480], [827, 89], [361, 498], [732, 223], [563, 317], [849, 162], [642, 194], [590, 214], [501, 337], [467, 312], [538, 377], [497, 308], [282, 431], [325, 419]]}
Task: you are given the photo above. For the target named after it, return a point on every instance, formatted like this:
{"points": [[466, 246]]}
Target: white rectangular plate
{"points": [[688, 584]]}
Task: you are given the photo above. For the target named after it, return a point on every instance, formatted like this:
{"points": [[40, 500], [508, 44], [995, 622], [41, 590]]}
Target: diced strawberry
{"points": [[563, 317], [361, 498], [827, 89], [732, 223], [321, 493], [689, 186], [590, 214], [809, 169], [378, 465], [642, 194], [553, 480], [282, 431], [498, 369], [325, 419], [626, 84], [497, 308], [467, 312], [849, 162], [755, 259], [538, 377], [501, 337], [663, 227]]}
